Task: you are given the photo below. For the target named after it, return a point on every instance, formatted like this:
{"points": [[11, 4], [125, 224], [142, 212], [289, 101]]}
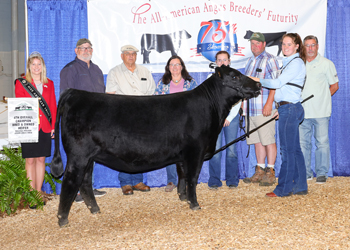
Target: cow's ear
{"points": [[219, 72]]}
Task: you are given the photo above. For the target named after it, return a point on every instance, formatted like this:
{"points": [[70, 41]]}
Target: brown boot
{"points": [[269, 178], [256, 178]]}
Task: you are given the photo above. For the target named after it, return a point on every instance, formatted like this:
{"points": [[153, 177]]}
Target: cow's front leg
{"points": [[192, 194], [86, 190], [193, 166], [181, 186]]}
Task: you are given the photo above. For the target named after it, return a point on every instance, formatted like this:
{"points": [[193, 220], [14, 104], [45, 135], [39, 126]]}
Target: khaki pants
{"points": [[265, 134]]}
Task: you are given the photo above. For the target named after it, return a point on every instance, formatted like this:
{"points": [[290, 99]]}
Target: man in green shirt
{"points": [[322, 82]]}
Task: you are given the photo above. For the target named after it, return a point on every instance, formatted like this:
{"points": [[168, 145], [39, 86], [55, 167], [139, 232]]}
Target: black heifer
{"points": [[136, 134], [271, 39], [162, 42]]}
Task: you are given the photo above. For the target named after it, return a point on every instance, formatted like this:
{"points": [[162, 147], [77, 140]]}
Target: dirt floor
{"points": [[241, 218]]}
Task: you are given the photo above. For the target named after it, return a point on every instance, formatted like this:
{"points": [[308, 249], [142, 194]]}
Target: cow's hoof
{"points": [[94, 209], [63, 223], [183, 197], [96, 212], [195, 207]]}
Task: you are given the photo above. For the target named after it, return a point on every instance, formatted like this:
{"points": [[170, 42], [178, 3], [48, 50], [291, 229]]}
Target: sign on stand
{"points": [[23, 120]]}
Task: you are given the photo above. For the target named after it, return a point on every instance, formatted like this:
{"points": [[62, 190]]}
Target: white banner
{"points": [[23, 117], [197, 30]]}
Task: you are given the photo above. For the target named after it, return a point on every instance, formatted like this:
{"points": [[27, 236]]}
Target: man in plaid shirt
{"points": [[261, 109]]}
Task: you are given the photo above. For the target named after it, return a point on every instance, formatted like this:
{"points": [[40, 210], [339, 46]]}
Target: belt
{"points": [[279, 104]]}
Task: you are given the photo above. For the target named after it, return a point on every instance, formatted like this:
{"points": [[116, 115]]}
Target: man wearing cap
{"points": [[262, 65], [83, 74], [128, 78]]}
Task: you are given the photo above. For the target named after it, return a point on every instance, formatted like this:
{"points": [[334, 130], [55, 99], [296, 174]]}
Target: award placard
{"points": [[23, 120]]}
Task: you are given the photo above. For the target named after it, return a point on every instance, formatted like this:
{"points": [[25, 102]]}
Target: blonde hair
{"points": [[36, 55]]}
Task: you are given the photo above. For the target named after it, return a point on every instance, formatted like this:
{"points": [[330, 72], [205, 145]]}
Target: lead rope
{"points": [[248, 125], [241, 118], [241, 138]]}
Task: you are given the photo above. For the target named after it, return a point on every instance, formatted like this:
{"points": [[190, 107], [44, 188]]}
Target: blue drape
{"points": [[337, 50], [55, 26]]}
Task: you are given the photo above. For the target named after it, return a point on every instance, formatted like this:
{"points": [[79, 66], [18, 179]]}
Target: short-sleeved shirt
{"points": [[263, 66], [124, 82], [77, 75], [320, 74]]}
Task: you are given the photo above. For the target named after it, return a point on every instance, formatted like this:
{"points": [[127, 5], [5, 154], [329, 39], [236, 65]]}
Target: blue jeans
{"points": [[292, 176], [171, 173], [129, 179], [93, 178], [322, 152], [230, 133]]}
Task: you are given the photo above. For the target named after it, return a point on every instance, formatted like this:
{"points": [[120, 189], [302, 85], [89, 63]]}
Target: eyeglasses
{"points": [[175, 65], [310, 45], [130, 54], [85, 48]]}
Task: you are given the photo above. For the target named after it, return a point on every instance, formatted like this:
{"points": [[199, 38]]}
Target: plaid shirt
{"points": [[268, 66]]}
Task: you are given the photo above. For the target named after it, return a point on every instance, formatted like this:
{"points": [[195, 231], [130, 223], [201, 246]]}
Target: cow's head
{"points": [[244, 86]]}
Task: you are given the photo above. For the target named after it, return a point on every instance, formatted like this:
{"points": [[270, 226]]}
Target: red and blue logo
{"points": [[214, 36]]}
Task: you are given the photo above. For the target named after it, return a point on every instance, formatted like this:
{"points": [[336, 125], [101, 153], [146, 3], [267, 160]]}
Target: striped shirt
{"points": [[264, 66]]}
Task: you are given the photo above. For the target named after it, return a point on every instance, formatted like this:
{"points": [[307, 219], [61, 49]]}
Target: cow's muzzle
{"points": [[257, 92]]}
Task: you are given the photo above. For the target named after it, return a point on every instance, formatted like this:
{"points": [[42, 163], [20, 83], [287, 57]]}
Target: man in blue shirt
{"points": [[83, 74]]}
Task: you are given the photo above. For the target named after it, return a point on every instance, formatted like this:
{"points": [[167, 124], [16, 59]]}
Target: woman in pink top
{"points": [[175, 79]]}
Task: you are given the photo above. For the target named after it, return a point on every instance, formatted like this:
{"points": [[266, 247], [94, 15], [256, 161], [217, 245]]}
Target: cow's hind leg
{"points": [[72, 179], [86, 190], [181, 186]]}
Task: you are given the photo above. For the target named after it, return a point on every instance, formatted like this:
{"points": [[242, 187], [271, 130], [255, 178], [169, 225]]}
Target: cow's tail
{"points": [[56, 165]]}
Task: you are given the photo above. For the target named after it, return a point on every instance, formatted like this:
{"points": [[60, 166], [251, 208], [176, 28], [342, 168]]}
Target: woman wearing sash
{"points": [[288, 85], [35, 153]]}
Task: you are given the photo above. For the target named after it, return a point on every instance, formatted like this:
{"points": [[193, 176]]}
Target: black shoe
{"points": [[305, 192], [321, 180], [214, 187], [232, 186], [35, 206], [98, 193], [79, 199]]}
